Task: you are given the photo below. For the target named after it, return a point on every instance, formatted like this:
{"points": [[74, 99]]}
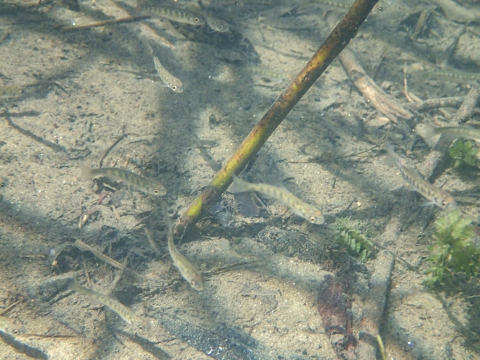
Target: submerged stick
{"points": [[372, 93], [82, 246], [30, 134], [333, 45], [432, 161]]}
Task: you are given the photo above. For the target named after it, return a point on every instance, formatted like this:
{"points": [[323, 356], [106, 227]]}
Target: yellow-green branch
{"points": [[333, 45]]}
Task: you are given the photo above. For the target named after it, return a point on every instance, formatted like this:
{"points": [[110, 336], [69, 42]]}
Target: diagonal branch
{"points": [[333, 45]]}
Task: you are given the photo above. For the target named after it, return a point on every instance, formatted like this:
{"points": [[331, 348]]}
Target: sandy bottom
{"points": [[87, 90]]}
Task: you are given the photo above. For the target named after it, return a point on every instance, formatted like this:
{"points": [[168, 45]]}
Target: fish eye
{"points": [[313, 219], [196, 19], [174, 88], [156, 191]]}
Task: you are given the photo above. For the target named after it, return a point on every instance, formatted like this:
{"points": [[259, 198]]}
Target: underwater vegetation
{"points": [[348, 235], [462, 154], [454, 250]]}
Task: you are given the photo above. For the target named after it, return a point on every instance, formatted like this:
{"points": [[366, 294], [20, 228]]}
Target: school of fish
{"points": [[189, 272]]}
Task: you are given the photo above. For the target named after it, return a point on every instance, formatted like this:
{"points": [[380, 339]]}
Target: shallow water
{"points": [[93, 96]]}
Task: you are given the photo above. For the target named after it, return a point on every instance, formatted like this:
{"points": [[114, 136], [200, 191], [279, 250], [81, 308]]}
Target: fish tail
{"points": [[429, 131], [239, 185], [87, 172], [390, 148], [74, 285], [392, 157]]}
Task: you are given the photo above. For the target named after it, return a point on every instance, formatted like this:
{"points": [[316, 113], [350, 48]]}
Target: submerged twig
{"points": [[11, 307], [105, 154], [374, 304], [333, 45], [49, 336], [431, 162], [79, 244], [370, 90], [320, 159], [227, 268], [151, 241], [41, 140]]}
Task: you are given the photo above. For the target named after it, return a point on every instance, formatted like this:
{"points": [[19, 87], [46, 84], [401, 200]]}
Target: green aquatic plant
{"points": [[453, 250], [348, 234], [463, 153]]}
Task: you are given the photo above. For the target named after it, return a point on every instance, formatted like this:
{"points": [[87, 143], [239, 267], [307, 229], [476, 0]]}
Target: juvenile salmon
{"points": [[298, 206], [452, 75], [188, 271], [214, 23], [173, 14], [141, 183], [462, 131], [437, 196], [171, 81], [11, 326], [125, 313]]}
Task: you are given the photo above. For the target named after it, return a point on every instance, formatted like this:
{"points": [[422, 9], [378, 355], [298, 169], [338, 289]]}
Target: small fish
{"points": [[215, 23], [171, 81], [328, 4], [266, 73], [437, 196], [460, 77], [173, 14], [11, 326], [298, 206], [462, 131], [9, 91], [125, 313], [144, 184], [188, 271]]}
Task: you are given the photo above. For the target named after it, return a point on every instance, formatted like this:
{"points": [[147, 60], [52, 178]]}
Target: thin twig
{"points": [[79, 244], [118, 276], [151, 241], [11, 307], [28, 133], [319, 160], [46, 336], [89, 282], [123, 136]]}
